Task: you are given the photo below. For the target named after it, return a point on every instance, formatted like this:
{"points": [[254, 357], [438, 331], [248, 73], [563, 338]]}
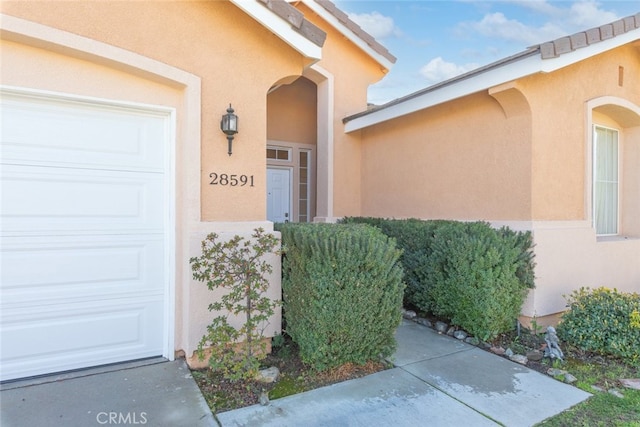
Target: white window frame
{"points": [[593, 179]]}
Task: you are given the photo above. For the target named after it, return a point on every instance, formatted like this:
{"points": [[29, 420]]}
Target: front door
{"points": [[279, 194]]}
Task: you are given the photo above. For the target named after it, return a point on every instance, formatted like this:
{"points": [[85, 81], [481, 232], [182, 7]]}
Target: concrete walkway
{"points": [[437, 381], [152, 393]]}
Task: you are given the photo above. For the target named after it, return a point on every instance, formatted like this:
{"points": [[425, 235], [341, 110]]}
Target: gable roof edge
{"points": [[284, 26], [330, 13], [515, 67]]}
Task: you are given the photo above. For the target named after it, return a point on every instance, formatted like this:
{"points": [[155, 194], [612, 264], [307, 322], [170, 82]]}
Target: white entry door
{"points": [[83, 219], [279, 195]]}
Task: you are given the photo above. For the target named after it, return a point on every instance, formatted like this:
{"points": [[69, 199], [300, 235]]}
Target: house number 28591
{"points": [[232, 180]]}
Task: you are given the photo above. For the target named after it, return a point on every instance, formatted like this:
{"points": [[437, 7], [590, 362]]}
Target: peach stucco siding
{"points": [[462, 160]]}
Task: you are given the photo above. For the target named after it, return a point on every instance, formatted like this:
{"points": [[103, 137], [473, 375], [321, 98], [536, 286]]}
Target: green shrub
{"points": [[472, 275], [511, 249], [239, 267], [413, 237], [603, 321], [342, 292]]}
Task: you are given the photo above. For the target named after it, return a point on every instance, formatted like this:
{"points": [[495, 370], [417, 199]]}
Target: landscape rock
{"points": [[534, 355], [424, 322], [441, 327], [497, 350], [460, 335], [409, 314], [519, 358], [268, 375], [472, 340], [554, 372], [450, 331], [633, 383], [596, 388], [569, 379], [616, 393], [508, 352]]}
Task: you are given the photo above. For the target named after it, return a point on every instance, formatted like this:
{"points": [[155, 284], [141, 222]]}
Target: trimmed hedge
{"points": [[342, 292], [472, 276], [603, 321], [414, 237], [470, 273]]}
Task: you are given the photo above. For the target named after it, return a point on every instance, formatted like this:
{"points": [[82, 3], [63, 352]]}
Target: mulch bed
{"points": [[295, 377]]}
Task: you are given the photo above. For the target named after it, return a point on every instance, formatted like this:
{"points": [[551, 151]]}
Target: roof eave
{"points": [[386, 61], [282, 28], [518, 66]]}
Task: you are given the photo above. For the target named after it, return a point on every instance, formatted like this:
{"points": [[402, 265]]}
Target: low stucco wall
{"points": [[570, 256], [197, 297]]}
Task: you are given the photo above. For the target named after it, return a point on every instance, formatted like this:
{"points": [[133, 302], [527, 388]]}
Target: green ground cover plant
{"points": [[603, 321], [603, 409]]}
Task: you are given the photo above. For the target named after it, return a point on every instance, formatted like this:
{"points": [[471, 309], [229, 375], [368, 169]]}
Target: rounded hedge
{"points": [[342, 292]]}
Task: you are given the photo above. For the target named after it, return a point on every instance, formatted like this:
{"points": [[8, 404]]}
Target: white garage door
{"points": [[83, 220]]}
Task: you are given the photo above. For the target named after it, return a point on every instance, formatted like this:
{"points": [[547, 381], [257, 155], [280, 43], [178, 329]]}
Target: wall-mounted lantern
{"points": [[229, 125]]}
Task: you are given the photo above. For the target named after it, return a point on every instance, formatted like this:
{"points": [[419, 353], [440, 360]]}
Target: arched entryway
{"points": [[299, 151]]}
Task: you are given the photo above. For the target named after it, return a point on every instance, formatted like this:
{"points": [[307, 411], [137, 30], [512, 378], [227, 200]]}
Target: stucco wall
{"points": [[559, 133], [462, 160], [292, 112], [354, 71]]}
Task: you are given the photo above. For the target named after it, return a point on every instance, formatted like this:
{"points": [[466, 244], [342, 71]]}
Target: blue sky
{"points": [[437, 40]]}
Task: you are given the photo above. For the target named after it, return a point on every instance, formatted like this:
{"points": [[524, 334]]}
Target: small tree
{"points": [[238, 266]]}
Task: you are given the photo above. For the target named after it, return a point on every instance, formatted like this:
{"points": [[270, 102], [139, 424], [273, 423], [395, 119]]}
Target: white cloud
{"points": [[562, 20], [438, 70], [588, 14], [496, 25], [376, 24]]}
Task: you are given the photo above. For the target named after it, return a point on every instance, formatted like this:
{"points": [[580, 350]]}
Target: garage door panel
{"points": [[50, 269], [47, 198], [73, 336], [50, 131], [83, 222]]}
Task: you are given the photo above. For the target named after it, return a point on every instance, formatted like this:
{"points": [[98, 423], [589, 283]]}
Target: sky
{"points": [[436, 40]]}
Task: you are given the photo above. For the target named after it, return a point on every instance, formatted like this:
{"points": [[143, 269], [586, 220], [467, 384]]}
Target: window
{"points": [[605, 180], [279, 153], [305, 176]]}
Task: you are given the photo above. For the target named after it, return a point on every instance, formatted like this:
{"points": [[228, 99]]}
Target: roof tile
{"points": [[562, 45], [606, 32], [593, 35], [548, 50], [578, 40], [296, 18], [629, 23], [618, 27], [356, 29]]}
